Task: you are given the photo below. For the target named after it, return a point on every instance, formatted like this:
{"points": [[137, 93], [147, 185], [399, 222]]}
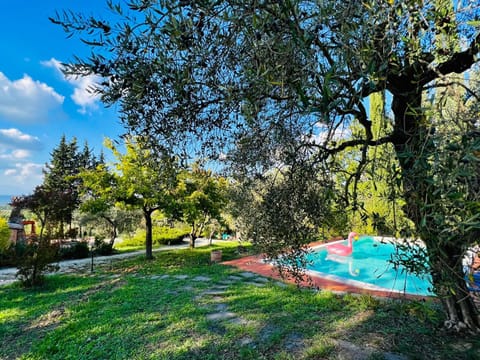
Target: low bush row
{"points": [[162, 235]]}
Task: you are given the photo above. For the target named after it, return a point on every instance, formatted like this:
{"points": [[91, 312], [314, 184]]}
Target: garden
{"points": [[275, 125], [181, 306]]}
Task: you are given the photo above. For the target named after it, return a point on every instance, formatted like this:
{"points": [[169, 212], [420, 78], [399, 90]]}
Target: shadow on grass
{"points": [[26, 315], [133, 310]]}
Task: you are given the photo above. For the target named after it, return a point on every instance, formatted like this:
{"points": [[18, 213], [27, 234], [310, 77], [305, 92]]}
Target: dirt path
{"points": [[7, 275]]}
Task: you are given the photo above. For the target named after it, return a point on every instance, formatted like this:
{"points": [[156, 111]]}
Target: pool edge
{"points": [[255, 264]]}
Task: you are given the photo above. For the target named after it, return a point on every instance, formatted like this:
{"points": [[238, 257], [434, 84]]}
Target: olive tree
{"points": [[272, 80]]}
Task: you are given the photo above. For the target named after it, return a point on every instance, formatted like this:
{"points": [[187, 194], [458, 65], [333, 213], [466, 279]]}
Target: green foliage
{"points": [[74, 250], [287, 209], [98, 189], [102, 248], [61, 180], [162, 235], [142, 179], [322, 348], [200, 197], [169, 236], [362, 302], [422, 310], [4, 235], [102, 204], [34, 259], [8, 257]]}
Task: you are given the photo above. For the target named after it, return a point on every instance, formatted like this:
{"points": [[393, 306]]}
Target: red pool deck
{"points": [[256, 265]]}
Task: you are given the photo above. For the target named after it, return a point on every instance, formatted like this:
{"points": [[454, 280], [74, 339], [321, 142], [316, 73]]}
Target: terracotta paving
{"points": [[255, 264]]}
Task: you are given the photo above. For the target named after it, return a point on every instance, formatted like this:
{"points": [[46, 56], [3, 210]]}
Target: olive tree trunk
{"points": [[445, 258]]}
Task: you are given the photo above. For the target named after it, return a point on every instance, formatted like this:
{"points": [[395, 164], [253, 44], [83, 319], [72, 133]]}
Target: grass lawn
{"points": [[179, 306]]}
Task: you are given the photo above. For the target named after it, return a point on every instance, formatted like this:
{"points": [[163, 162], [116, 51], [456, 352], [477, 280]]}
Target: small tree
{"points": [[108, 224], [142, 179], [200, 196], [35, 257], [98, 191]]}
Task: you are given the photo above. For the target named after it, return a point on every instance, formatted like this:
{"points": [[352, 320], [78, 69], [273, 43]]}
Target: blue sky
{"points": [[37, 103]]}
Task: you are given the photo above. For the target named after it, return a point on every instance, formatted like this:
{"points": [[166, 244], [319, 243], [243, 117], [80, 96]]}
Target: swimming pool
{"points": [[368, 268]]}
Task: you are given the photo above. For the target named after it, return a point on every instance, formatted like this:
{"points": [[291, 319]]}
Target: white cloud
{"points": [[15, 139], [54, 64], [26, 100], [323, 134], [82, 95], [15, 155], [18, 173], [21, 178], [21, 154]]}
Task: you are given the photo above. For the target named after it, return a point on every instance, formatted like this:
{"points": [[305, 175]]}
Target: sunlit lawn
{"points": [[132, 310]]}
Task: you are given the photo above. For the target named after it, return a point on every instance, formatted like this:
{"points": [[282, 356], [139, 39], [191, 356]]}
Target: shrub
{"points": [[8, 257], [4, 235], [34, 260], [169, 236], [136, 240], [75, 250], [102, 248], [162, 235]]}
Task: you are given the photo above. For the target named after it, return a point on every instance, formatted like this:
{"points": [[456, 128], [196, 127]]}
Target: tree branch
{"points": [[358, 142], [458, 63]]}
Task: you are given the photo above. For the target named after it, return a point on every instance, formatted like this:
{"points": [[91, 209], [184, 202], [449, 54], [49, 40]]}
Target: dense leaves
{"points": [[141, 179], [61, 181], [4, 235], [199, 199]]}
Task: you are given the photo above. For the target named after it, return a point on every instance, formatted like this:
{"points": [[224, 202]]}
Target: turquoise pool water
{"points": [[368, 267]]}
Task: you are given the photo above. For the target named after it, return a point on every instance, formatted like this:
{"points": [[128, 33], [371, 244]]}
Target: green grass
{"points": [[133, 310]]}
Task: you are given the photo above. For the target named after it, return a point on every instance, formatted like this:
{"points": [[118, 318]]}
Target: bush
{"points": [[75, 250], [4, 235], [8, 257], [162, 235], [102, 248], [34, 260], [169, 236]]}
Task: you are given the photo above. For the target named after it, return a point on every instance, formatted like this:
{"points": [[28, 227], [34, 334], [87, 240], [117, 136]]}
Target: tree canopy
{"points": [[140, 178], [61, 181], [200, 197]]}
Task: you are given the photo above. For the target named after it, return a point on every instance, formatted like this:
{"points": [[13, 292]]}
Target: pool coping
{"points": [[257, 264]]}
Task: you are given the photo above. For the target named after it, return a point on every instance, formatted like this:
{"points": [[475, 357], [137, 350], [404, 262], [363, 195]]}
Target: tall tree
{"points": [[282, 78], [61, 180]]}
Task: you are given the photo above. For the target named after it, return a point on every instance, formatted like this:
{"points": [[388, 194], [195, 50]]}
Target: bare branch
{"points": [[357, 142]]}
